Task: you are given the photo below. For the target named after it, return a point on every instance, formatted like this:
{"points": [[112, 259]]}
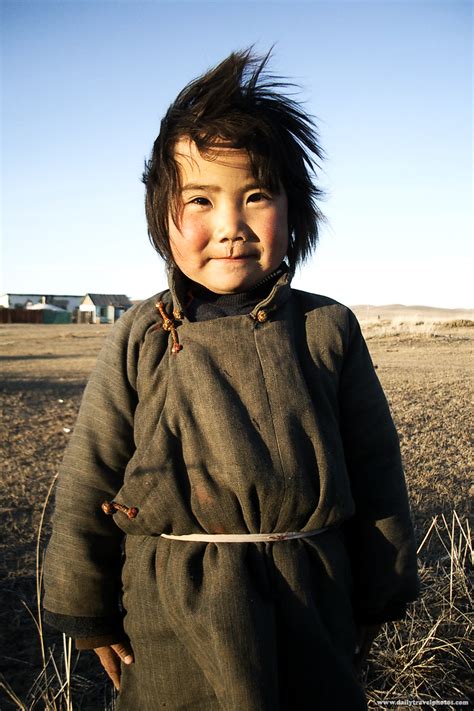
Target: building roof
{"points": [[117, 300], [47, 296]]}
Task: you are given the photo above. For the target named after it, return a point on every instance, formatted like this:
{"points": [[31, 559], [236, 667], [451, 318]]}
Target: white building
{"points": [[22, 301], [102, 308]]}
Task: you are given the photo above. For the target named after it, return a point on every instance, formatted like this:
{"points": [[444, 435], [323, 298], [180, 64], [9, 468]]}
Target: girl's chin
{"points": [[230, 287], [237, 278]]}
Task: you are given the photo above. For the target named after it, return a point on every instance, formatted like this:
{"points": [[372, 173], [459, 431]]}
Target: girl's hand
{"points": [[110, 658]]}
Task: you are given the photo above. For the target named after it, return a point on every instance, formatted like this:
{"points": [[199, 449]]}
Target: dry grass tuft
{"points": [[52, 689], [459, 323], [427, 657]]}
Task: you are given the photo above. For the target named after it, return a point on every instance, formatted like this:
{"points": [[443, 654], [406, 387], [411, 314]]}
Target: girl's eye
{"points": [[258, 197], [200, 201]]}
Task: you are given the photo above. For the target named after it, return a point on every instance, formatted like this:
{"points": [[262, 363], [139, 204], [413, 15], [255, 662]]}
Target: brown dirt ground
{"points": [[427, 379]]}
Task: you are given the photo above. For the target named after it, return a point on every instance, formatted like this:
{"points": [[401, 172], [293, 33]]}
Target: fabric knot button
{"points": [[178, 314], [168, 325], [110, 507], [262, 316]]}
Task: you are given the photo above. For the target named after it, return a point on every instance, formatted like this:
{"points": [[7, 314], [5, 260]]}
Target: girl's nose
{"points": [[230, 225]]}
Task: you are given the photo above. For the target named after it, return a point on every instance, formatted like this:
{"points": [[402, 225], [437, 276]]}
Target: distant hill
{"points": [[392, 311]]}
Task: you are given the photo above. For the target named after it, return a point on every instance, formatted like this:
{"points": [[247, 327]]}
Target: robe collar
{"points": [[279, 294]]}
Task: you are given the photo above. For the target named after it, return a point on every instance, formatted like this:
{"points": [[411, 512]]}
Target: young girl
{"points": [[236, 430]]}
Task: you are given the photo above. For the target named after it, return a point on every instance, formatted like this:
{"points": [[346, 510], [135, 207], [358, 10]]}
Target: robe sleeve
{"points": [[84, 555], [380, 536]]}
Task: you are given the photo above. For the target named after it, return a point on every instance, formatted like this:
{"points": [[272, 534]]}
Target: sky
{"points": [[86, 83]]}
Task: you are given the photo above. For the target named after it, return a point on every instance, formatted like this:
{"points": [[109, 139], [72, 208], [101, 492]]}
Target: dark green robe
{"points": [[271, 421]]}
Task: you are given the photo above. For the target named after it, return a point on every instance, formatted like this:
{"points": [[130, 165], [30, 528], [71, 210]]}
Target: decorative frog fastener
{"points": [[169, 325], [110, 507]]}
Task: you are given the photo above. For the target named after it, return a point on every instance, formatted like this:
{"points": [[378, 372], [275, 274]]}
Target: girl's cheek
{"points": [[273, 228], [194, 231]]}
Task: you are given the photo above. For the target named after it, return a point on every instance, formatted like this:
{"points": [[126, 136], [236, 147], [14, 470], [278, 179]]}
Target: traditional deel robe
{"points": [[272, 421]]}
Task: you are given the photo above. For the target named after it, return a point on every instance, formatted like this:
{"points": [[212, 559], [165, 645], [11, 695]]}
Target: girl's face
{"points": [[231, 231]]}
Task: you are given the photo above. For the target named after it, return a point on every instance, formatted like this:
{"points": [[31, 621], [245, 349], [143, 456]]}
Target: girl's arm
{"points": [[84, 556], [380, 535]]}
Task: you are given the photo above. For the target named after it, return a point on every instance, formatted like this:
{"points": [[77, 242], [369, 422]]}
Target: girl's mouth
{"points": [[236, 257]]}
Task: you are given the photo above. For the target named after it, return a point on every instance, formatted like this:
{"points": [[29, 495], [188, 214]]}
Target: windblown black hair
{"points": [[238, 103]]}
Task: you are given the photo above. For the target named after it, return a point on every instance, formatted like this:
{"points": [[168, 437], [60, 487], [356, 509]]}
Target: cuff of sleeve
{"points": [[85, 627], [99, 641]]}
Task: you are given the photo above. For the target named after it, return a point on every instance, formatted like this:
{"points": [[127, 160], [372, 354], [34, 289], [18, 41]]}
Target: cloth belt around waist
{"points": [[245, 537]]}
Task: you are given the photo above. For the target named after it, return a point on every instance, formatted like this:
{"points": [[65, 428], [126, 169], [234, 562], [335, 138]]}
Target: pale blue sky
{"points": [[85, 85]]}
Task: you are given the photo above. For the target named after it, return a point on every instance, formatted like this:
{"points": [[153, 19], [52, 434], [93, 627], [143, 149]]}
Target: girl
{"points": [[231, 516]]}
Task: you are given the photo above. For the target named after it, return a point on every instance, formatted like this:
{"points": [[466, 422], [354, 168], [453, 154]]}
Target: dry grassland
{"points": [[424, 365]]}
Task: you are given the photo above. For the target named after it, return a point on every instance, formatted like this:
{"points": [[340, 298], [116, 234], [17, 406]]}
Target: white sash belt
{"points": [[244, 537]]}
